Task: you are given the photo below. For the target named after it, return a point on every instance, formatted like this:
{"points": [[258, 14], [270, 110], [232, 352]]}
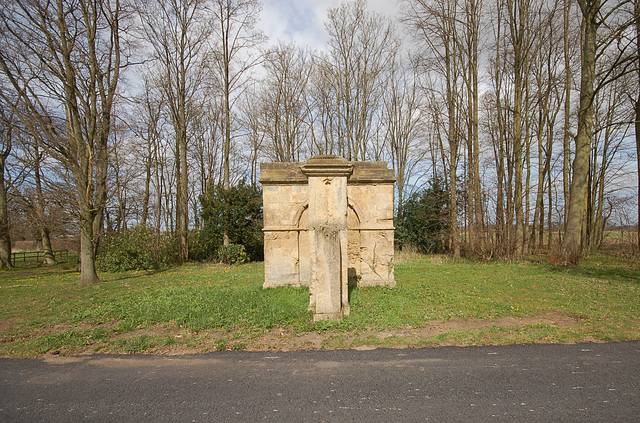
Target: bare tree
{"points": [[254, 136], [147, 126], [64, 60], [575, 225], [594, 14], [207, 142], [470, 45], [404, 131], [436, 24], [179, 32], [237, 37], [608, 139], [36, 203], [547, 104], [282, 102], [497, 123], [520, 42], [361, 49]]}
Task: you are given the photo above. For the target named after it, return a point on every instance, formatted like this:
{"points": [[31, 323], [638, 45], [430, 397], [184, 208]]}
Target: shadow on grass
{"points": [[134, 274], [41, 269], [605, 268], [72, 267]]}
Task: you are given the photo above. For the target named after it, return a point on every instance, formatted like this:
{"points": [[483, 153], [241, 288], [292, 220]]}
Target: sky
{"points": [[302, 20]]}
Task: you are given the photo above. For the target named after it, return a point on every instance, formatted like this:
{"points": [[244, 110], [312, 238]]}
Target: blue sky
{"points": [[302, 20]]}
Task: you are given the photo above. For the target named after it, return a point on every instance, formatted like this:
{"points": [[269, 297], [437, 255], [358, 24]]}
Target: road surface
{"points": [[536, 383]]}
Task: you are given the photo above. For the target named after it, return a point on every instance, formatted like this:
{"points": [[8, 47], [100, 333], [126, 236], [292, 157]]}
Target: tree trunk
{"points": [[49, 257], [453, 157], [518, 14], [637, 123], [566, 156], [88, 274], [226, 180], [146, 193], [518, 196], [5, 239], [184, 200], [574, 242], [537, 228], [476, 217]]}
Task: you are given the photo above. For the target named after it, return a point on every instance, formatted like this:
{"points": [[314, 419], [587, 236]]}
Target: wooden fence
{"points": [[36, 256]]}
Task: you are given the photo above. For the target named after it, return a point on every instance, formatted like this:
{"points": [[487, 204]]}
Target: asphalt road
{"points": [[536, 383]]}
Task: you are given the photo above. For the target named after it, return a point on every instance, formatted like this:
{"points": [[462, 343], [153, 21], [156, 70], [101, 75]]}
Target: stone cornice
{"points": [[327, 166], [291, 173]]}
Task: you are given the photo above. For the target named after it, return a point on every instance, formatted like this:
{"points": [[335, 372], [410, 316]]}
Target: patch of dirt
{"points": [[437, 327], [8, 325], [157, 330], [283, 340], [279, 339]]}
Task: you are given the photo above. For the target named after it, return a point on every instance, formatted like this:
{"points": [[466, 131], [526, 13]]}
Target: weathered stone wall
{"points": [[370, 191]]}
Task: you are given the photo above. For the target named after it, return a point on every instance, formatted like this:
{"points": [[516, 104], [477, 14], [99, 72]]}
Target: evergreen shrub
{"points": [[138, 248], [236, 211], [424, 221]]}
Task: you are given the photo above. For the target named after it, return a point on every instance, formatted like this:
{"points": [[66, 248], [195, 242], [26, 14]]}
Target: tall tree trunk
{"points": [[519, 168], [225, 22], [499, 143], [146, 195], [226, 146], [527, 161], [5, 238], [574, 241], [88, 272], [49, 257], [6, 142], [637, 123], [537, 228], [566, 139], [475, 203], [518, 15], [160, 192], [453, 157], [183, 223], [549, 196]]}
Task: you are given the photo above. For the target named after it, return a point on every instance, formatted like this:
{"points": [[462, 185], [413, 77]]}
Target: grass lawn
{"points": [[205, 307]]}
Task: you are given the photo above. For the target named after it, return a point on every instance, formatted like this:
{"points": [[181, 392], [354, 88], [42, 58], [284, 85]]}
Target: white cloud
{"points": [[302, 21]]}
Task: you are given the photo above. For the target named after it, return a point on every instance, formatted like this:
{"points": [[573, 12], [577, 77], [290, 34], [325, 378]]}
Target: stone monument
{"points": [[328, 224]]}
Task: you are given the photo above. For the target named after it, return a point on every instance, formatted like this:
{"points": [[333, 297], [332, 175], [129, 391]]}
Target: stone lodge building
{"points": [[370, 191]]}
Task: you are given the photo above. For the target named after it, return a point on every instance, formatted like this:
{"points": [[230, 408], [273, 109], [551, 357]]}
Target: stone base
{"points": [[317, 317]]}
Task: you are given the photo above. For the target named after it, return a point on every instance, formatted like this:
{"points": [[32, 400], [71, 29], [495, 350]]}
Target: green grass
{"points": [[210, 307]]}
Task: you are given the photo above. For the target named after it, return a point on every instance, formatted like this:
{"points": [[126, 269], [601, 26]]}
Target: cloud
{"points": [[302, 21]]}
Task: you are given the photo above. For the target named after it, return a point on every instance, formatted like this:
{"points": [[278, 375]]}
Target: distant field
{"points": [[205, 307]]}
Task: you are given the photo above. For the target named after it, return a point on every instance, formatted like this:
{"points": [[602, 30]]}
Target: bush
{"points": [[424, 221], [232, 254], [138, 248], [238, 212], [204, 244]]}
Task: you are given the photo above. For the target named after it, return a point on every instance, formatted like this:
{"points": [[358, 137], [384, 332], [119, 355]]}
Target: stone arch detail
{"points": [[298, 215], [304, 249], [356, 211], [353, 243]]}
